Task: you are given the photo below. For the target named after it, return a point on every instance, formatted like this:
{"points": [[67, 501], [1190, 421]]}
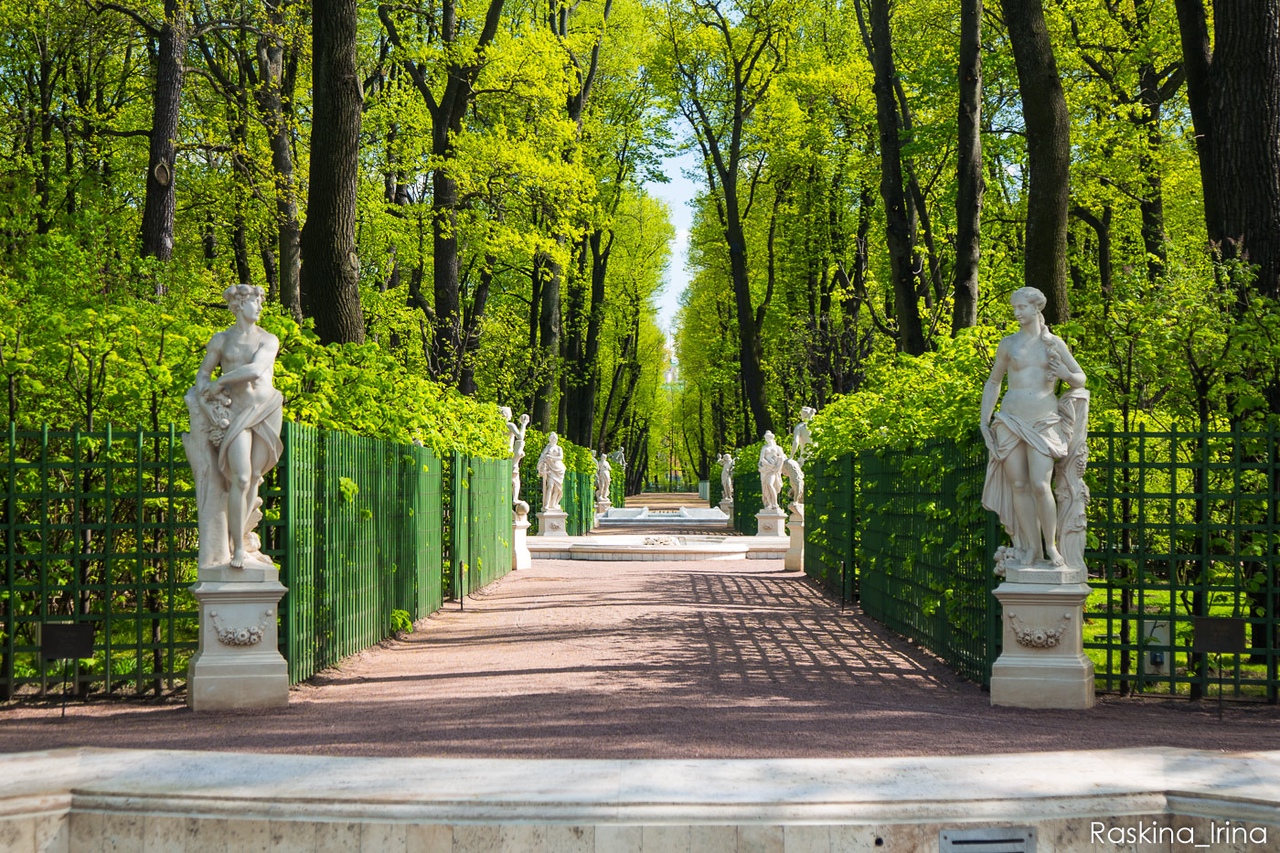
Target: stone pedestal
{"points": [[1042, 663], [726, 506], [794, 560], [552, 522], [520, 557], [238, 665], [602, 506], [771, 522]]}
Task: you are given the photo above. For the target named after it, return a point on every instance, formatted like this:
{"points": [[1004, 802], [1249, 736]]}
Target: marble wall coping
{"points": [[1026, 787]]}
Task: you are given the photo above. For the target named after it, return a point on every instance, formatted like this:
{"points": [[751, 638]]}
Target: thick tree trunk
{"points": [[329, 276], [1234, 92], [1048, 129], [545, 411], [748, 335], [969, 180], [899, 234], [158, 209], [444, 271], [277, 70]]}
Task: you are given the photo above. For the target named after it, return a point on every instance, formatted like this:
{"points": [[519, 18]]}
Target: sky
{"points": [[678, 193]]}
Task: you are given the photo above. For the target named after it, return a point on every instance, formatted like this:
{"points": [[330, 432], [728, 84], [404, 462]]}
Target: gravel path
{"points": [[574, 659]]}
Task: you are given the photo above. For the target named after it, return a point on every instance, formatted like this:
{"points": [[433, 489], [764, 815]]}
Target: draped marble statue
{"points": [[1036, 442], [515, 444], [604, 477], [726, 475], [551, 468], [772, 459], [235, 433]]}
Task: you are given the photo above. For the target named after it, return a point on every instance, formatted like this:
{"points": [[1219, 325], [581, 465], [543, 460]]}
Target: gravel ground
{"points": [[575, 659]]}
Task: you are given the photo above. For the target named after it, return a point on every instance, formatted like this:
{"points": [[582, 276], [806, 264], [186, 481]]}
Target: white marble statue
{"points": [[551, 468], [801, 439], [604, 477], [772, 458], [515, 444], [726, 475], [1034, 432], [794, 472], [235, 433]]}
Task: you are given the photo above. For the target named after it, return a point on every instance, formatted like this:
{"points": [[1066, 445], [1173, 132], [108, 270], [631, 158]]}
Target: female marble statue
{"points": [[726, 475], [604, 477], [771, 459], [551, 467], [1033, 430], [235, 432], [515, 444]]}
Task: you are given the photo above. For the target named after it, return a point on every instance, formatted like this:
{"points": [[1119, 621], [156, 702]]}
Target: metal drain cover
{"points": [[990, 839]]}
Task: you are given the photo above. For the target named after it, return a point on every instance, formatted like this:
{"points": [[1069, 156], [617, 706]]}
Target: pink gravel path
{"points": [[644, 660]]}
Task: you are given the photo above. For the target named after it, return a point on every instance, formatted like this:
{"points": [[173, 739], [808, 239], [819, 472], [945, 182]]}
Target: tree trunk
{"points": [[899, 234], [329, 276], [545, 412], [1233, 89], [277, 73], [969, 180], [1048, 129], [160, 204]]}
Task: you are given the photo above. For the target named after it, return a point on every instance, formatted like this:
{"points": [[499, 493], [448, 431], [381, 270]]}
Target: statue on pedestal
{"points": [[1033, 433], [726, 475], [801, 439], [552, 469], [772, 458], [604, 478], [235, 433], [515, 444]]}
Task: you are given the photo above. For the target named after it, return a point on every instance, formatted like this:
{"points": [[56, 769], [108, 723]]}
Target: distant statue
{"points": [[235, 433], [604, 477], [726, 475], [1034, 432], [515, 444], [619, 459], [551, 467], [801, 439], [794, 472], [771, 459]]}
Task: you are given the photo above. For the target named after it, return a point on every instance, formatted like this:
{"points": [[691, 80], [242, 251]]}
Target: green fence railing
{"points": [[1184, 526], [100, 528], [481, 532], [747, 501], [359, 541], [926, 551]]}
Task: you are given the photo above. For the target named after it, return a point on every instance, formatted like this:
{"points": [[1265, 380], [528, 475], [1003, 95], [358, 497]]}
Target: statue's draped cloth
{"points": [[265, 421], [1047, 436]]}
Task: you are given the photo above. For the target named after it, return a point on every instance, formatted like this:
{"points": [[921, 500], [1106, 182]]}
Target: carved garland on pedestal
{"points": [[249, 636], [1038, 638]]}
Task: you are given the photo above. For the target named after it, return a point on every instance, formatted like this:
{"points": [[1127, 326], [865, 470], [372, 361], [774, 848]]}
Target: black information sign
{"points": [[66, 640], [1223, 636]]}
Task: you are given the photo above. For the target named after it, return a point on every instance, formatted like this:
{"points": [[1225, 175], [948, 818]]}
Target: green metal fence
{"points": [[747, 501], [359, 541], [578, 501], [481, 532], [926, 551], [100, 528], [831, 525], [1183, 527], [1187, 528]]}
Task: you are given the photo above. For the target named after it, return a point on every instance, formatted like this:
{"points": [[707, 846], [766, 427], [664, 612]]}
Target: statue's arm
{"points": [[1068, 369], [212, 357], [991, 391], [260, 367]]}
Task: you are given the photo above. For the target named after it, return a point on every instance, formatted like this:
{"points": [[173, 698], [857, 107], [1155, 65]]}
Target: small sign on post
{"points": [[1220, 636], [66, 641]]}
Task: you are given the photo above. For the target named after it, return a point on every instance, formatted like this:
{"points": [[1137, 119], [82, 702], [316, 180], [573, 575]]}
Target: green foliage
{"points": [[401, 622], [910, 399]]}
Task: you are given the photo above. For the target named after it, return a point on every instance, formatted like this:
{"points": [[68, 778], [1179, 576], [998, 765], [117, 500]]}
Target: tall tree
{"points": [[1233, 88], [724, 57], [446, 87], [329, 277], [969, 182], [900, 226], [1048, 133]]}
